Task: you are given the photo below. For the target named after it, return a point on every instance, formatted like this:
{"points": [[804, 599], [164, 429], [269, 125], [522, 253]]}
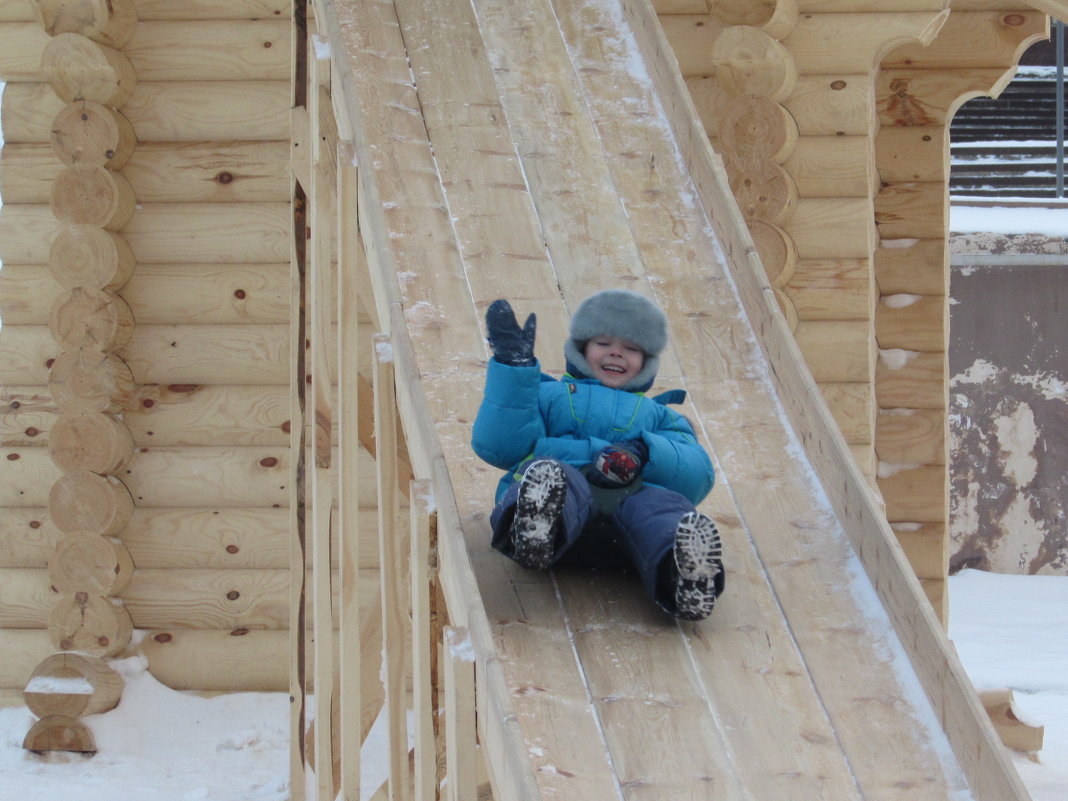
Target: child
{"points": [[598, 473]]}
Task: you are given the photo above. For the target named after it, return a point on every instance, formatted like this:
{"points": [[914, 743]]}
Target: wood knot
{"points": [[239, 294], [233, 595], [32, 432], [838, 85], [163, 638], [12, 457], [239, 632], [1015, 20], [35, 524], [269, 461], [148, 403], [224, 177], [81, 598], [232, 549]]}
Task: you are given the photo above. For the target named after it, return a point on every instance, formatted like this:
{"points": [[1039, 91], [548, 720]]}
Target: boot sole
{"points": [[538, 507], [698, 557]]}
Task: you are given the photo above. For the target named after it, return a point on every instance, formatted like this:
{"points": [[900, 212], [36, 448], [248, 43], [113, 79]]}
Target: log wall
{"points": [[832, 122], [144, 355]]}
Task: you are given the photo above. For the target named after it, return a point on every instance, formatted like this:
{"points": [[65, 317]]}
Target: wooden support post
{"points": [[391, 559], [423, 531], [348, 473], [461, 774]]}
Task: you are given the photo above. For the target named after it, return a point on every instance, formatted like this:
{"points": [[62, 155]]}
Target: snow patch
{"points": [[896, 358], [900, 301]]}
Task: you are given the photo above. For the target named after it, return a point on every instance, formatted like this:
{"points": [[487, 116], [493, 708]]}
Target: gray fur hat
{"points": [[623, 314]]}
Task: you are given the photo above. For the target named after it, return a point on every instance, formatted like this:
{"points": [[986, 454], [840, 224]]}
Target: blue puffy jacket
{"points": [[528, 415]]}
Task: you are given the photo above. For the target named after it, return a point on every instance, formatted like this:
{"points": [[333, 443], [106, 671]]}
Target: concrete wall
{"points": [[1009, 404]]}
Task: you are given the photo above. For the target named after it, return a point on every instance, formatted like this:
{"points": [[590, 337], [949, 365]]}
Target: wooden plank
{"points": [[854, 42], [911, 436], [422, 528], [459, 715], [832, 228], [832, 166], [910, 264], [914, 492], [921, 97], [172, 111], [837, 104], [910, 379], [912, 322], [972, 39], [919, 209], [836, 350], [852, 405], [831, 289], [904, 154]]}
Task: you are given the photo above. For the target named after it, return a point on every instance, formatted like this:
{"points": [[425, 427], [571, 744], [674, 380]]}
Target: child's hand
{"points": [[510, 343], [619, 464]]}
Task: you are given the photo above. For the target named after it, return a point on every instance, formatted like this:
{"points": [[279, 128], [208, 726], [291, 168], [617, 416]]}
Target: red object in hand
{"points": [[618, 466]]}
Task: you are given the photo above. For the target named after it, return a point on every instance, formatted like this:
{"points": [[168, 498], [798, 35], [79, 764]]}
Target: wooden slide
{"points": [[543, 150]]}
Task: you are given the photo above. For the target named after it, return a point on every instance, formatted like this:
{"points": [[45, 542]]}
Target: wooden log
{"points": [[914, 492], [775, 17], [219, 477], [213, 660], [84, 255], [78, 68], [209, 9], [88, 502], [87, 380], [913, 265], [172, 111], [757, 128], [211, 50], [1016, 732], [778, 252], [92, 624], [786, 306], [88, 134], [837, 104], [89, 563], [912, 322], [904, 154], [748, 61], [21, 58], [710, 101], [197, 414], [692, 38], [853, 407], [25, 414], [73, 685], [27, 537], [59, 733], [83, 317], [110, 22], [920, 97], [763, 189], [838, 351], [911, 436], [90, 441], [665, 7], [972, 39], [832, 166], [92, 196], [826, 44], [918, 209], [209, 354], [832, 228], [926, 547], [831, 289], [911, 379]]}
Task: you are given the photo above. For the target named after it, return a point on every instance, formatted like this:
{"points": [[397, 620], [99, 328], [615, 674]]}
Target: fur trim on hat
{"points": [[623, 314]]}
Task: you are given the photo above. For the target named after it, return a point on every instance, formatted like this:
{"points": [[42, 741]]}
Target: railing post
{"points": [[424, 652], [460, 737], [394, 597]]}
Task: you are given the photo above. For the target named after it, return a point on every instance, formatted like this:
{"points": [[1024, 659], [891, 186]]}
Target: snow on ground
{"points": [[1051, 221], [163, 745]]}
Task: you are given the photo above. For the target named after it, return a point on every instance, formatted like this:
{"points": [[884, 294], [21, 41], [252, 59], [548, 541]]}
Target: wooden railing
{"points": [[434, 671]]}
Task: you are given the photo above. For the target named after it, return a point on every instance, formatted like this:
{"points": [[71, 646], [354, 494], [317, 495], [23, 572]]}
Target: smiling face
{"points": [[614, 361]]}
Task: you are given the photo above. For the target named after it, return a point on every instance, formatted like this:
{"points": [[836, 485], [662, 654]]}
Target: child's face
{"points": [[614, 361]]}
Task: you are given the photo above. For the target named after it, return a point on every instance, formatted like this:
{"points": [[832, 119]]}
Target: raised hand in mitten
{"points": [[510, 343], [619, 464]]}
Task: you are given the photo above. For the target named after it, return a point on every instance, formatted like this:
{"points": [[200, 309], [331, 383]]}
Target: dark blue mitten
{"points": [[619, 464], [510, 343]]}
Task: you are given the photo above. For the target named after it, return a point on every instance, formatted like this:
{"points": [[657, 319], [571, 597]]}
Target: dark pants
{"points": [[636, 530]]}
